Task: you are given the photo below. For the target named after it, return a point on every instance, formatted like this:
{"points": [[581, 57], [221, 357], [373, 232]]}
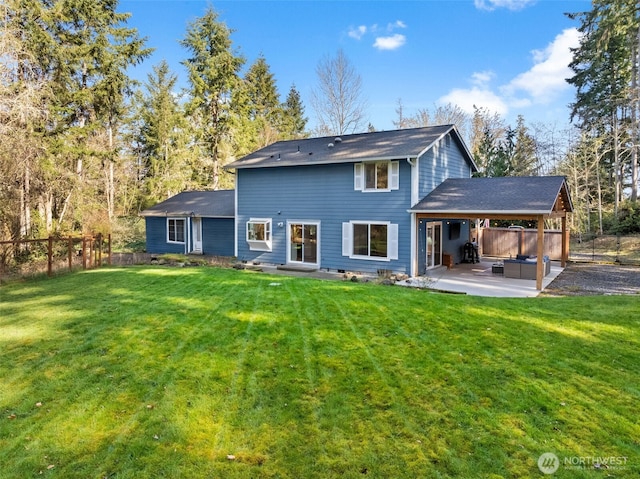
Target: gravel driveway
{"points": [[583, 279]]}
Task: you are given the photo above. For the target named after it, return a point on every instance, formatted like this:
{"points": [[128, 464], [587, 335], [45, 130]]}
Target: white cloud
{"points": [[390, 43], [357, 32], [396, 24], [508, 4], [482, 78], [539, 85], [382, 42], [548, 75], [476, 96]]}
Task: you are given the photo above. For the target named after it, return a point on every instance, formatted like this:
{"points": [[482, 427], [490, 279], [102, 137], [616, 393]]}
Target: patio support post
{"points": [[540, 262], [565, 243]]}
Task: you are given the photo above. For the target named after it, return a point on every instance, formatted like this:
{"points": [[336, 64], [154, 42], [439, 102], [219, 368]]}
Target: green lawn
{"points": [[216, 373]]}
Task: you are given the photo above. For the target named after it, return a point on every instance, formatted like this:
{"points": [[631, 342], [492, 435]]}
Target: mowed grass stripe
{"points": [[162, 372]]}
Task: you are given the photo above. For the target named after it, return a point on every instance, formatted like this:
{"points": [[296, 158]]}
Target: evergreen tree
{"points": [[24, 93], [523, 161], [81, 51], [500, 163], [262, 112], [213, 70], [487, 130], [262, 92], [293, 120], [161, 137], [605, 67]]}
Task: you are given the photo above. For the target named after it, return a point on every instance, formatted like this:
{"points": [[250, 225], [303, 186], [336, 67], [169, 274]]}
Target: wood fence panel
{"points": [[91, 246], [505, 242]]}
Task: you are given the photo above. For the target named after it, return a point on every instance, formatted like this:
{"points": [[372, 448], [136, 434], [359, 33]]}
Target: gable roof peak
{"points": [[351, 148]]}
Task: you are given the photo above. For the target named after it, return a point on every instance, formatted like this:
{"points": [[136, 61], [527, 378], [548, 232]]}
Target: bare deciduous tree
{"points": [[338, 100]]}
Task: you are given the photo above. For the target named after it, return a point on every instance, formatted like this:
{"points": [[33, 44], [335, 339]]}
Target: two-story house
{"points": [[398, 201], [343, 203]]}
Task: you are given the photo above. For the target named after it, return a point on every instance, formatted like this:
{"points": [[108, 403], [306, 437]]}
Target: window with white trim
{"points": [[370, 240], [259, 234], [377, 176], [175, 230]]}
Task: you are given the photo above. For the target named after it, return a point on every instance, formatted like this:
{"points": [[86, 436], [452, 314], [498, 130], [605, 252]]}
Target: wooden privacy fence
{"points": [[509, 242], [88, 249]]}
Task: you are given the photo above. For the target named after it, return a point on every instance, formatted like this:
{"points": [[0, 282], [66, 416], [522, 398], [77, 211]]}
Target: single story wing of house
{"points": [[198, 222]]}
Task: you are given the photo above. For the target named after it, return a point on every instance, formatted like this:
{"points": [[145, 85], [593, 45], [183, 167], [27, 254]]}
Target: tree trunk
{"points": [[599, 190], [111, 194], [25, 203], [45, 208], [617, 167], [635, 111]]}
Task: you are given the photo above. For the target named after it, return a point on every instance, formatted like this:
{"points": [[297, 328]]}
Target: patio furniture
{"points": [[524, 267], [497, 268], [447, 260]]}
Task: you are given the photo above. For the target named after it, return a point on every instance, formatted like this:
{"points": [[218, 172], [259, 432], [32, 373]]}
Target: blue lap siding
{"points": [[323, 193], [444, 160], [217, 236]]}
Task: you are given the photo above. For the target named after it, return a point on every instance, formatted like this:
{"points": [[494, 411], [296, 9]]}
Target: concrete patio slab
{"points": [[477, 279]]}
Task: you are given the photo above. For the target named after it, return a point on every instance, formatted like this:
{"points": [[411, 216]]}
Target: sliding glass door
{"points": [[303, 243]]}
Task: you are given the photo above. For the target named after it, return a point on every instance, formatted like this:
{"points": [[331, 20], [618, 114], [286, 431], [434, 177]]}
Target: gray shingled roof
{"points": [[379, 145], [207, 204], [508, 195]]}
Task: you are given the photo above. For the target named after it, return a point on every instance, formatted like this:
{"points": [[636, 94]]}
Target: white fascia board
{"points": [[430, 145], [480, 214], [367, 159]]}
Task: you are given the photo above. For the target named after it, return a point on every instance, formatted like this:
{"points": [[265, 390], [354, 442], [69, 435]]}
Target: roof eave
{"points": [[163, 214], [474, 167], [317, 163], [480, 214]]}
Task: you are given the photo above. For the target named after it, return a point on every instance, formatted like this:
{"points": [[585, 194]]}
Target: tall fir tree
{"points": [[213, 70], [161, 137], [294, 122], [524, 160], [263, 112], [605, 67], [81, 50]]}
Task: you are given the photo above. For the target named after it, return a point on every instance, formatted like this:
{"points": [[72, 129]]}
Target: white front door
{"points": [[434, 244], [303, 239], [196, 227]]}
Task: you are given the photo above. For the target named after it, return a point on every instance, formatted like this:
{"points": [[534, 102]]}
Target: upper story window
{"points": [[259, 234], [175, 230], [377, 176]]}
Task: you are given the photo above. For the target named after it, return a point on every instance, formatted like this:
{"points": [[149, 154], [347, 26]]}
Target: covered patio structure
{"points": [[532, 198]]}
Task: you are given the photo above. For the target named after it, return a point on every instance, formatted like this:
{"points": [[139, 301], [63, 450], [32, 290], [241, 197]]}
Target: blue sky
{"points": [[509, 56]]}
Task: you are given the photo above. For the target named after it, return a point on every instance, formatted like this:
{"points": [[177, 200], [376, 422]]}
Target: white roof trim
{"points": [[482, 213]]}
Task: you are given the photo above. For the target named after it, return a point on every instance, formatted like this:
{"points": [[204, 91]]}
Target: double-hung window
{"points": [[370, 240], [175, 230], [376, 176], [259, 234]]}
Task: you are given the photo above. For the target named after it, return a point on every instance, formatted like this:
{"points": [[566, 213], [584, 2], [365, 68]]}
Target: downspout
{"points": [[235, 217], [188, 238], [413, 163]]}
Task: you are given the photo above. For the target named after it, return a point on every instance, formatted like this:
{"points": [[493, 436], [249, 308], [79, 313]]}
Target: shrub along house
{"points": [[344, 203], [199, 222]]}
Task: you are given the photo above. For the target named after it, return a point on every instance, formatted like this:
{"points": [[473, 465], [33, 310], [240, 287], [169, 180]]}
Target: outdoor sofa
{"points": [[524, 267]]}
